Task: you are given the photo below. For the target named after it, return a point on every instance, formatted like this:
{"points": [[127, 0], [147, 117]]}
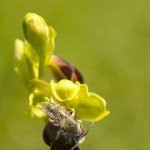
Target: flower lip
{"points": [[64, 90]]}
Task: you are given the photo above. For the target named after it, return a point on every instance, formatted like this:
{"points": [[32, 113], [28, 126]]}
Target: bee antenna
{"points": [[83, 135], [88, 129]]}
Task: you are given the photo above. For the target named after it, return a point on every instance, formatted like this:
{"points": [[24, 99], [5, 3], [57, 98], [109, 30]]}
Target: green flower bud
{"points": [[36, 32]]}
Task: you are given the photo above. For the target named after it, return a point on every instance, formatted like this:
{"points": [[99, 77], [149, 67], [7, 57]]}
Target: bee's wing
{"points": [[52, 110]]}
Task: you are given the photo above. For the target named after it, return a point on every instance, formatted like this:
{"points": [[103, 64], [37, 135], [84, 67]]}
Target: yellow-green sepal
{"points": [[41, 86], [35, 98], [24, 65], [50, 46], [91, 107]]}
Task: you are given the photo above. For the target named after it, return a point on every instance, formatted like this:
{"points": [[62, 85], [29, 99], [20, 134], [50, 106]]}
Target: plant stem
{"points": [[41, 68]]}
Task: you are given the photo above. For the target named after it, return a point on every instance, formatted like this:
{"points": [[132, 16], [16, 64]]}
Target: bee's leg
{"points": [[58, 134], [77, 144]]}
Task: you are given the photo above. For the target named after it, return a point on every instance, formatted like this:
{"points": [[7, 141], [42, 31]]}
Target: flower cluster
{"points": [[34, 56], [65, 100]]}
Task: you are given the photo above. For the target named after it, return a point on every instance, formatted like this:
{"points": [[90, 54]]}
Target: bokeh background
{"points": [[109, 42]]}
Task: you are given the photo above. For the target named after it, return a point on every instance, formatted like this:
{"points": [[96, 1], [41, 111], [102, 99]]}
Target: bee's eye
{"points": [[71, 112]]}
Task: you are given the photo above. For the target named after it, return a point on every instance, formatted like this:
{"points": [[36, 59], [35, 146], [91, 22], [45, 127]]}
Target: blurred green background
{"points": [[109, 42]]}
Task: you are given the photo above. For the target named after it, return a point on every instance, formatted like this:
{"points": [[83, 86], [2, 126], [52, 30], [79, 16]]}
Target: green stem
{"points": [[41, 68]]}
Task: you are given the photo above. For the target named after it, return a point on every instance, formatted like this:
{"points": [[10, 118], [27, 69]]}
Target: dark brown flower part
{"points": [[63, 70]]}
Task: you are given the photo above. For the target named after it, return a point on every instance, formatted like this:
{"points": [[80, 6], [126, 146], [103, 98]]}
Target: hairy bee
{"points": [[63, 131]]}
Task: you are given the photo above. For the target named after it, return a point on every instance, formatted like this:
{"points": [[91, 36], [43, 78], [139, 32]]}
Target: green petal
{"points": [[64, 90], [91, 108], [41, 86], [71, 104], [35, 98]]}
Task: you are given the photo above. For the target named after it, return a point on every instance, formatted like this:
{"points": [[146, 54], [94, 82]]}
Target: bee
{"points": [[63, 131]]}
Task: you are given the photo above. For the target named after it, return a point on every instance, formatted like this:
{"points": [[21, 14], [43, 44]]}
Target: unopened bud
{"points": [[63, 70], [36, 32]]}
